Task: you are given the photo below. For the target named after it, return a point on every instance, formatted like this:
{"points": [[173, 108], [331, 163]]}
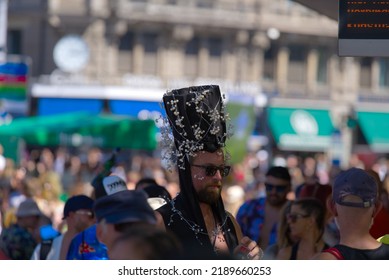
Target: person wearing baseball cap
{"points": [[119, 212], [85, 245], [78, 214], [354, 204]]}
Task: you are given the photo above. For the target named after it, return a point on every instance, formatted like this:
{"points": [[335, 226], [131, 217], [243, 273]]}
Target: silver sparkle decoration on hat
{"points": [[211, 118]]}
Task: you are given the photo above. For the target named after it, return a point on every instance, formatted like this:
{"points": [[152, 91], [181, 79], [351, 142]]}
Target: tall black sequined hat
{"points": [[197, 120]]}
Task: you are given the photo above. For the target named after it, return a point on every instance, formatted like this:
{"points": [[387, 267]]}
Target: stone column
{"points": [[173, 60], [138, 54], [282, 70], [260, 42], [94, 36], [312, 67], [242, 41], [375, 75], [203, 58]]}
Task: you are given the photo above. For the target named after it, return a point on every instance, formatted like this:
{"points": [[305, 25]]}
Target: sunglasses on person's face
{"points": [[83, 212], [293, 217], [210, 170], [279, 188]]}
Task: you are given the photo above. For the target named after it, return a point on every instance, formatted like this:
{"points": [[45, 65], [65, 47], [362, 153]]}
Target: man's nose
{"points": [[273, 190], [218, 174]]}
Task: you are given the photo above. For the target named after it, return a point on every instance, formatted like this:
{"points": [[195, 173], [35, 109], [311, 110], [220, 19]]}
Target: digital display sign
{"points": [[364, 28]]}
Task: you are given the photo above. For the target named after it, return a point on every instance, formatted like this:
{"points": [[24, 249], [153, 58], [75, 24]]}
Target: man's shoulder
{"points": [[88, 233], [86, 246], [259, 201], [15, 232], [342, 252], [325, 256]]}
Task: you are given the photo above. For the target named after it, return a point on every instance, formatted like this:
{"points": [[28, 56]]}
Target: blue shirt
{"points": [[251, 217], [85, 246]]}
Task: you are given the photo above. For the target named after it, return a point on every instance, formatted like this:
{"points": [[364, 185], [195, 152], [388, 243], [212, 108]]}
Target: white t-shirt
{"points": [[54, 251]]}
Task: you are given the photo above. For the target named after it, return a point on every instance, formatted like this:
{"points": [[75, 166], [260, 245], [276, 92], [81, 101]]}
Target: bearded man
{"points": [[194, 140]]}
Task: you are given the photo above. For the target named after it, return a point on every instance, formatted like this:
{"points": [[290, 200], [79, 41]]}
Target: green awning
{"points": [[75, 129], [300, 129], [375, 127]]}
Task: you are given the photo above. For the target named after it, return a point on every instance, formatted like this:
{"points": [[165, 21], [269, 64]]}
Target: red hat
{"points": [[318, 191]]}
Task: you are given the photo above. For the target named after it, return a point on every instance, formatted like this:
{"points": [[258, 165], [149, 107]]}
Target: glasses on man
{"points": [[293, 217], [84, 212], [279, 188], [210, 170]]}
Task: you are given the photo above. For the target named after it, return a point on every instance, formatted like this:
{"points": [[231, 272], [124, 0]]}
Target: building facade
{"points": [[279, 51]]}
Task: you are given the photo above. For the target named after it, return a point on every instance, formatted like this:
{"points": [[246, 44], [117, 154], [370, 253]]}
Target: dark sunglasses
{"points": [[84, 212], [293, 217], [211, 170], [279, 188]]}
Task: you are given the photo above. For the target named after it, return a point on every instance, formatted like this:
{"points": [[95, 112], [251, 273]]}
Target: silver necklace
{"points": [[195, 228]]}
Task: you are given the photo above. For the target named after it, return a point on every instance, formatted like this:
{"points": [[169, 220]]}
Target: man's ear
{"points": [[99, 231], [332, 206], [377, 207]]}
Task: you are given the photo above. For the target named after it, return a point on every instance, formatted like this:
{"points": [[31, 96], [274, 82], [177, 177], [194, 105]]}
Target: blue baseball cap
{"points": [[356, 182]]}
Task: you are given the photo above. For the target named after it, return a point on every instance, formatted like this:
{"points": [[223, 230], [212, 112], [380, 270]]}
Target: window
{"points": [[192, 47], [297, 62], [215, 53], [14, 42], [365, 74], [270, 62], [191, 57], [150, 45], [204, 4], [126, 45]]}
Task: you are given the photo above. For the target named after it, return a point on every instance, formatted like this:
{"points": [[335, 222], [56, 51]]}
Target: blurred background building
{"points": [[120, 56]]}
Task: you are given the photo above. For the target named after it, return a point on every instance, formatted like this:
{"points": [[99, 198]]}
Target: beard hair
{"points": [[277, 201], [209, 196]]}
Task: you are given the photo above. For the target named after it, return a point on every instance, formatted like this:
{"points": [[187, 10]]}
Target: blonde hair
{"points": [[284, 238]]}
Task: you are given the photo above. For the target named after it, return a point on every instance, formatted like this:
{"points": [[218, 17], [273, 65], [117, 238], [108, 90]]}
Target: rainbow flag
{"points": [[13, 81]]}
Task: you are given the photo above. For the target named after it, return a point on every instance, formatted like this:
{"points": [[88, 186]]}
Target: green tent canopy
{"points": [[301, 129], [375, 127], [76, 129]]}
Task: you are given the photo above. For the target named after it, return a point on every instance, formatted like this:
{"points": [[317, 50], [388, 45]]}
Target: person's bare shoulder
{"points": [[284, 253], [324, 256]]}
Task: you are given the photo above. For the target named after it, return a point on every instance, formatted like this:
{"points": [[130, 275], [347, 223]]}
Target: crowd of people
{"points": [[189, 203]]}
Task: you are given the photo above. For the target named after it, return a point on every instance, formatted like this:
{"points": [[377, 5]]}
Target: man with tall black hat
{"points": [[194, 138]]}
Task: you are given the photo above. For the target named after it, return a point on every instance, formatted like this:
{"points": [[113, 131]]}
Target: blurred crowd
{"points": [[51, 177]]}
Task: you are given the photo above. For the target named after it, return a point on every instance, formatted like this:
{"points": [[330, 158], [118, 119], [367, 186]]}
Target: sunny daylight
{"points": [[237, 131]]}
